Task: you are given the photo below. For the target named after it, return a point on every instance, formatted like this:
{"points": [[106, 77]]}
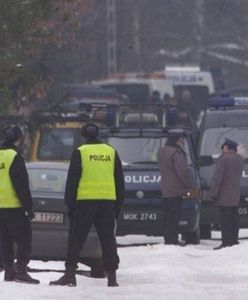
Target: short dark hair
{"points": [[89, 130], [12, 133], [173, 139]]}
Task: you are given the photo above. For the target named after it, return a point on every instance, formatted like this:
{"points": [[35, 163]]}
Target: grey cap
{"points": [[230, 142]]}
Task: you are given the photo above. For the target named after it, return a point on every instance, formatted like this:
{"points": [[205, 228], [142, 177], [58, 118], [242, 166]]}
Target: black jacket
{"points": [[19, 177], [74, 175]]}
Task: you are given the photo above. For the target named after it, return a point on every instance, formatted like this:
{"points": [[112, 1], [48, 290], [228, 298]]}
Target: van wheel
{"points": [[205, 231], [192, 237], [97, 270]]}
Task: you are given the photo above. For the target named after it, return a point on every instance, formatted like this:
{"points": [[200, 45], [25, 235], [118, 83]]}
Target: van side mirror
{"points": [[205, 160]]}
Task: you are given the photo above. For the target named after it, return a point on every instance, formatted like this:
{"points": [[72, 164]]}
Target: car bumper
{"points": [[149, 219], [53, 245], [210, 214]]}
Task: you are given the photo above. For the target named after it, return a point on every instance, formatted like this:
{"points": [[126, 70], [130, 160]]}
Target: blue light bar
{"points": [[225, 100], [241, 101], [221, 101]]}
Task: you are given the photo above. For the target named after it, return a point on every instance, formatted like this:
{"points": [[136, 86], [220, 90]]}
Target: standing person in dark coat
{"points": [[94, 194], [225, 190], [15, 208], [175, 184]]}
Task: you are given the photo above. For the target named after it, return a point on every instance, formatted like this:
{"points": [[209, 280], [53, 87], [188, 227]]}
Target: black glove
{"points": [[30, 214]]}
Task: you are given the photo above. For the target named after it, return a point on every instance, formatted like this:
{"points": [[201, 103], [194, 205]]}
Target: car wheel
{"points": [[97, 270], [205, 232]]}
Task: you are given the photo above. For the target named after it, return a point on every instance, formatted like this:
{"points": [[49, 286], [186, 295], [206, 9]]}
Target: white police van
{"points": [[227, 117], [199, 83], [138, 86]]}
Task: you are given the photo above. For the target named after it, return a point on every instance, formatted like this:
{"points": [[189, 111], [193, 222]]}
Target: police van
{"points": [[140, 132], [227, 117], [198, 83], [138, 87]]}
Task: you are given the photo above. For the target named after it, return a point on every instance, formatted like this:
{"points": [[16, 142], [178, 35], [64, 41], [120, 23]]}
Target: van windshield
{"points": [[213, 138], [135, 92], [58, 143], [141, 150]]}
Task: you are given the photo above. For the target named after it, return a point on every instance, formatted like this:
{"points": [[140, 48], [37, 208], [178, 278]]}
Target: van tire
{"points": [[192, 237], [205, 231]]}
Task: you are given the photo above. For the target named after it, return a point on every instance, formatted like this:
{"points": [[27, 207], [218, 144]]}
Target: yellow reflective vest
{"points": [[8, 197], [97, 181]]}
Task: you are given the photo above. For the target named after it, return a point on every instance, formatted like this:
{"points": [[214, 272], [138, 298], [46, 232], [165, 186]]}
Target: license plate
{"points": [[45, 217], [243, 211], [139, 216]]}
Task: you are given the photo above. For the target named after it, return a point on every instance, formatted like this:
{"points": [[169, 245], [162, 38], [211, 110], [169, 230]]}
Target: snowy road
{"points": [[153, 271]]}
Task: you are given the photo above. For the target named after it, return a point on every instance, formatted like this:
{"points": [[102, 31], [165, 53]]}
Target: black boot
{"points": [[9, 274], [26, 278], [22, 275], [112, 279], [221, 246], [69, 279], [1, 265]]}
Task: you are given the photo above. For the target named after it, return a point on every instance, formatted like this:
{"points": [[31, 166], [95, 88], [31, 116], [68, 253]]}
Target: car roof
{"points": [[47, 165]]}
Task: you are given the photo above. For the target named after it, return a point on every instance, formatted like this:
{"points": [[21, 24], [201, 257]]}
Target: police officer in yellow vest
{"points": [[15, 208], [94, 194]]}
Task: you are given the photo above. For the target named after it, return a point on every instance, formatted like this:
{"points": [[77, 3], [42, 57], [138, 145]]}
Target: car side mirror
{"points": [[205, 160]]}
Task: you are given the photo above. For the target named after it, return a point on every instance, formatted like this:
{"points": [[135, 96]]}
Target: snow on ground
{"points": [[150, 271]]}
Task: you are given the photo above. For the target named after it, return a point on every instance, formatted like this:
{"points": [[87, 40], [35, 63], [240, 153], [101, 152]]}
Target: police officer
{"points": [[225, 190], [94, 194], [175, 184], [15, 208]]}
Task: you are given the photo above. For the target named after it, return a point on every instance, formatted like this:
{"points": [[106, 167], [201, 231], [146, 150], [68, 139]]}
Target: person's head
{"points": [[155, 96], [183, 116], [12, 135], [229, 145], [175, 139], [89, 131], [185, 96], [166, 98]]}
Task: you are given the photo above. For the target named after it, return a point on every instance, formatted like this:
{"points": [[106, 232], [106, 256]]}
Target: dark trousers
{"points": [[229, 221], [87, 213], [15, 227], [172, 212], [1, 264]]}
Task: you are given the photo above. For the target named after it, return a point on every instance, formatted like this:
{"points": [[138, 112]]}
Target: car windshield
{"points": [[141, 150], [47, 180], [213, 138], [58, 143]]}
